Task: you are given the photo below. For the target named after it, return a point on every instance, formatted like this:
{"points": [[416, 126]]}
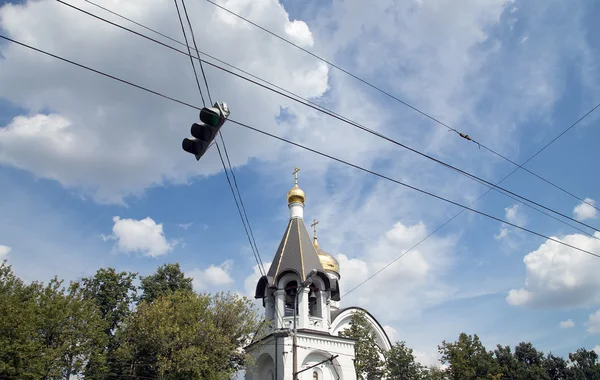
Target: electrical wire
{"points": [[423, 113], [239, 194], [352, 123], [255, 253], [189, 52], [307, 148]]}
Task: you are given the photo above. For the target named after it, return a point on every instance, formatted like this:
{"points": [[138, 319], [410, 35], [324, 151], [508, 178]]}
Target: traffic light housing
{"points": [[213, 119]]}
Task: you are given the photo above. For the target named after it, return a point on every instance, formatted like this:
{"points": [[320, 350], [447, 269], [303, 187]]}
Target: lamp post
{"points": [[305, 284]]}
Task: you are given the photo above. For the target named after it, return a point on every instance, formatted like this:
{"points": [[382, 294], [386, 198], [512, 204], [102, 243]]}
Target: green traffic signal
{"points": [[210, 116]]}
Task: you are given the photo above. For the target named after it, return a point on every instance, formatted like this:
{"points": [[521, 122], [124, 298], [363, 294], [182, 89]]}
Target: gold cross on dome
{"points": [[314, 226], [296, 170]]}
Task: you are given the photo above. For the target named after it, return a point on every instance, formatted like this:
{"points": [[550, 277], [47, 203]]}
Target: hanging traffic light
{"points": [[213, 118]]}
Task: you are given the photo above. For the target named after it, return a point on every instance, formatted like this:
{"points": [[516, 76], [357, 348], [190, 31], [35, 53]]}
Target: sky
{"points": [[93, 175]]}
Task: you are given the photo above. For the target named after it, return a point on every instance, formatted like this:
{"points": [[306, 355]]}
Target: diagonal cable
{"points": [[255, 247], [352, 123], [307, 148], [388, 94]]}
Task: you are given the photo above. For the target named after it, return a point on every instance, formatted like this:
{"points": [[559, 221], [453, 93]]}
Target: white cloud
{"points": [[140, 236], [4, 251], [593, 323], [414, 277], [213, 276], [391, 332], [513, 214], [185, 226], [597, 349], [502, 234], [110, 141], [559, 276], [567, 324], [584, 210]]}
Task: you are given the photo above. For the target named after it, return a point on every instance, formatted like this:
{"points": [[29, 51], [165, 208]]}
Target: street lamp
{"points": [[305, 284]]}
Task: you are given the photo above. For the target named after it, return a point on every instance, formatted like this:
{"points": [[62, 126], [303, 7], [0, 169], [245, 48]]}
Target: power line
{"points": [[408, 186], [352, 123], [308, 149], [255, 248], [423, 113], [255, 253], [189, 53]]}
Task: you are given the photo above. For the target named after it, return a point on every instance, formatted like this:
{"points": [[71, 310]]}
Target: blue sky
{"points": [[93, 175]]}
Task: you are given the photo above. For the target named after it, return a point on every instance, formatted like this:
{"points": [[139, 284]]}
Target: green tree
{"points": [[184, 335], [556, 367], [401, 364], [46, 332], [467, 359], [509, 366], [113, 293], [69, 330], [168, 279], [18, 347], [584, 365], [434, 373], [368, 362], [530, 361]]}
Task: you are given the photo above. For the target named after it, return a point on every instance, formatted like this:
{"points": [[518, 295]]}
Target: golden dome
{"points": [[296, 194], [329, 262]]}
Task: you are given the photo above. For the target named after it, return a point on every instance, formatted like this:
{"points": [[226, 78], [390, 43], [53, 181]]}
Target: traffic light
{"points": [[213, 118]]}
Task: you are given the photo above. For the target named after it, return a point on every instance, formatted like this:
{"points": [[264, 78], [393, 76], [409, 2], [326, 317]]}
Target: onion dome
{"points": [[296, 194], [329, 263]]}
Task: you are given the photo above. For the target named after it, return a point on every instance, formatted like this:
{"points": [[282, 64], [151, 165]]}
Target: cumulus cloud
{"points": [[4, 251], [593, 323], [585, 210], [109, 141], [513, 214], [414, 277], [597, 349], [567, 324], [185, 226], [217, 276], [140, 236], [559, 276]]}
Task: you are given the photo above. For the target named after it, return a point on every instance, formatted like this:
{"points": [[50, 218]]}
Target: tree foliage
{"points": [[189, 336], [113, 293], [467, 359], [401, 363], [92, 329], [167, 280], [368, 361], [95, 329], [49, 332]]}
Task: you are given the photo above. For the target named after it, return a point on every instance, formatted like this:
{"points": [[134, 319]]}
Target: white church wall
{"points": [[342, 322]]}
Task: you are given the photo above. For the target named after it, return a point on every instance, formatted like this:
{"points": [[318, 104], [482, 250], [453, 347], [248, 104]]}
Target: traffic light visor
{"points": [[210, 116]]}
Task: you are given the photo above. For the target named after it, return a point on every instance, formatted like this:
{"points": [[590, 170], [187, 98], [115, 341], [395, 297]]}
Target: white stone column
{"points": [[279, 310], [322, 308], [269, 308], [303, 308]]}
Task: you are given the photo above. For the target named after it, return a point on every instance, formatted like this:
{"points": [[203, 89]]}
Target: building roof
{"points": [[296, 252]]}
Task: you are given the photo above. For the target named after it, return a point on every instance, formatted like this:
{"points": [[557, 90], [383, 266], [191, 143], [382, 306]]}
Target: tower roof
{"points": [[330, 264], [296, 252]]}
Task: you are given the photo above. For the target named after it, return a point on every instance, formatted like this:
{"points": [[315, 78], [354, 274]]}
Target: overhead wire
{"points": [[255, 253], [350, 122], [388, 94], [303, 147], [239, 194]]}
